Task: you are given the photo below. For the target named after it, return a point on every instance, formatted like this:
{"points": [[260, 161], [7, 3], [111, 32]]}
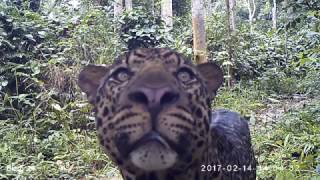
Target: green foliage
{"points": [[303, 11], [277, 82], [240, 99], [45, 132], [257, 53], [180, 37], [93, 38], [291, 149], [27, 41], [61, 154], [289, 51], [140, 29], [181, 7]]}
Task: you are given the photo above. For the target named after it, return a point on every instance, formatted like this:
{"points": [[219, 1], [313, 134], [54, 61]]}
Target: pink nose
{"points": [[152, 97]]}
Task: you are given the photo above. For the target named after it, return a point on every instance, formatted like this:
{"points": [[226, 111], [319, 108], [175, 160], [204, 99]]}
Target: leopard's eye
{"points": [[121, 74], [185, 75]]}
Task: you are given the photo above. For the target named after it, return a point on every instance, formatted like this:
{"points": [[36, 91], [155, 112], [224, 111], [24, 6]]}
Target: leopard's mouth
{"points": [[152, 153], [152, 137], [154, 150]]}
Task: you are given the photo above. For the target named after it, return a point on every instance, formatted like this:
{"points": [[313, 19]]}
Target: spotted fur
{"points": [[154, 120]]}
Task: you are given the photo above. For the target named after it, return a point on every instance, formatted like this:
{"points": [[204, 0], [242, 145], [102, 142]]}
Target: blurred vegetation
{"points": [[47, 128]]}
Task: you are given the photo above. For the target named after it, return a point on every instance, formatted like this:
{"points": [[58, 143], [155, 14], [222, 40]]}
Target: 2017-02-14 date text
{"points": [[228, 168]]}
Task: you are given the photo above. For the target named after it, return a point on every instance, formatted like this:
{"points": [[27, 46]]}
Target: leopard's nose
{"points": [[154, 97]]}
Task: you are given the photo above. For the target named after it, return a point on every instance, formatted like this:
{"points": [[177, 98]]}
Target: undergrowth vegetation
{"points": [[291, 149], [47, 127], [285, 132]]}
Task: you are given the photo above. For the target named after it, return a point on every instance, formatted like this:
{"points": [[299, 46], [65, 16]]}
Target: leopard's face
{"points": [[152, 108]]}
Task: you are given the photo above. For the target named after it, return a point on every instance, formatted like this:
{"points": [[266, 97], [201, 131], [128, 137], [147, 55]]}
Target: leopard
{"points": [[154, 118]]}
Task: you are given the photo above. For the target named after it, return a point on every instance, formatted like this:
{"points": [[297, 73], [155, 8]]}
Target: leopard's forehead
{"points": [[138, 58]]}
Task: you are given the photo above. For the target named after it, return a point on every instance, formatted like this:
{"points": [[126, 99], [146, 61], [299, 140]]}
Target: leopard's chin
{"points": [[153, 156]]}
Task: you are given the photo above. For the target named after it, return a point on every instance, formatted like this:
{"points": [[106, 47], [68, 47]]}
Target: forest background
{"points": [[269, 49]]}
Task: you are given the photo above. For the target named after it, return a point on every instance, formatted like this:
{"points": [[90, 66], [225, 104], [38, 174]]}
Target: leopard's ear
{"points": [[90, 78], [213, 76]]}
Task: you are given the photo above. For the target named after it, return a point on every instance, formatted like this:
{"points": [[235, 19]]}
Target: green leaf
{"points": [[286, 140], [42, 34], [56, 107], [273, 100], [30, 37], [225, 63]]}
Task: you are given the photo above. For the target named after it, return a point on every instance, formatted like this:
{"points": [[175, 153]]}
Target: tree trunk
{"points": [[151, 7], [166, 13], [274, 15], [229, 41], [117, 8], [128, 5], [199, 31], [232, 4], [251, 13]]}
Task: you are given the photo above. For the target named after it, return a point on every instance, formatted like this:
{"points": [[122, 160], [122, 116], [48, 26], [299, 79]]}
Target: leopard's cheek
{"points": [[173, 124], [125, 127]]}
